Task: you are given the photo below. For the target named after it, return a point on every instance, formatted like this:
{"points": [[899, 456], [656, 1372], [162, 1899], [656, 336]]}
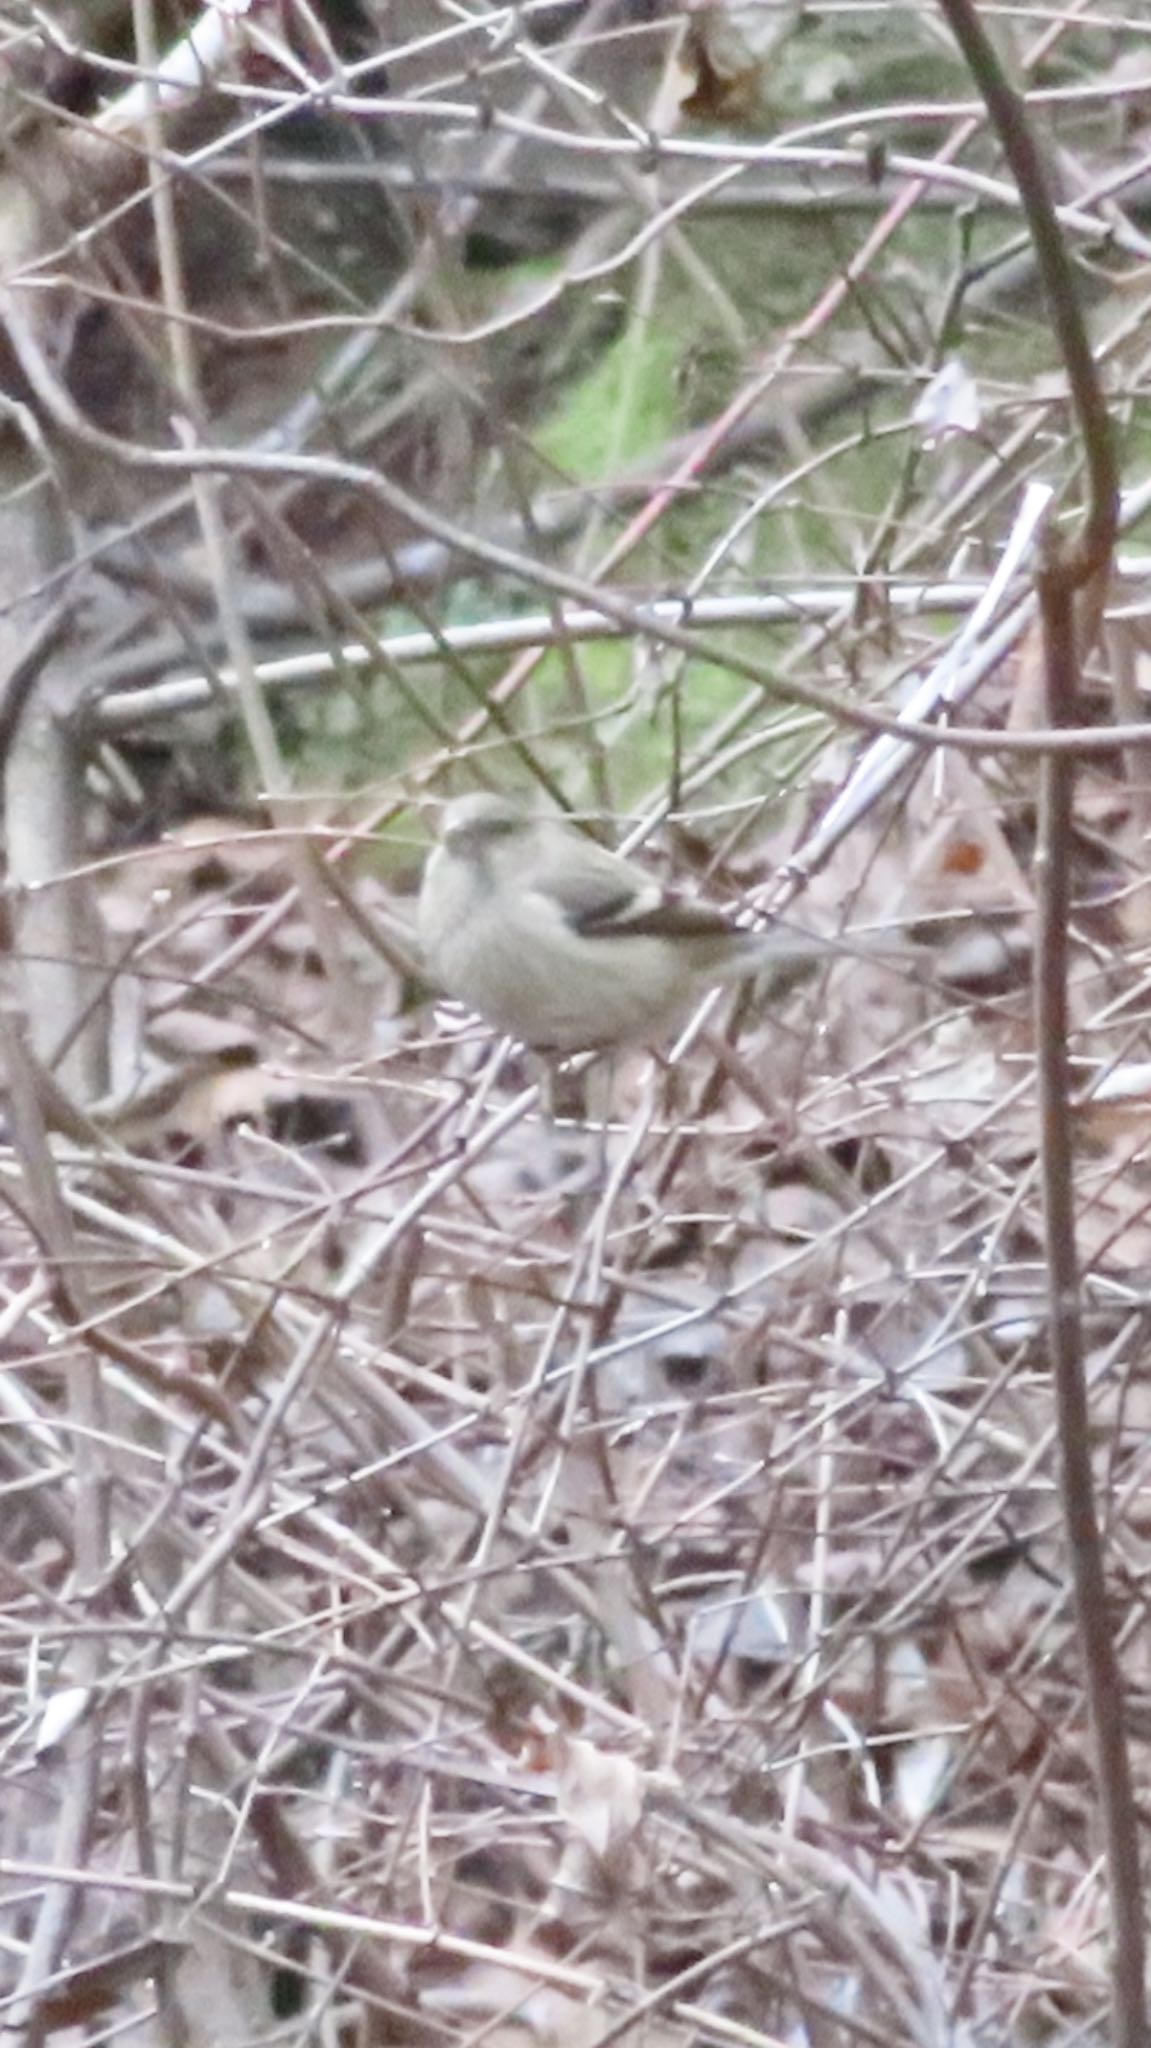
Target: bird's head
{"points": [[473, 824]]}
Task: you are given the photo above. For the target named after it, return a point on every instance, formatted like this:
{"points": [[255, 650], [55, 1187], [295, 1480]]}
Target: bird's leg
{"points": [[576, 1100], [599, 1096]]}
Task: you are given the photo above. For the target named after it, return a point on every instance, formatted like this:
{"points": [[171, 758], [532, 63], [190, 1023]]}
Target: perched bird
{"points": [[567, 946]]}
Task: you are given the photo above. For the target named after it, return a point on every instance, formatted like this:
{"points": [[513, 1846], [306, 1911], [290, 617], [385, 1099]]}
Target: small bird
{"points": [[569, 947]]}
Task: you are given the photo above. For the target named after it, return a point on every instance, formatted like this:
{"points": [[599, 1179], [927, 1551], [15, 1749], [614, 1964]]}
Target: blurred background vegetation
{"points": [[472, 1573]]}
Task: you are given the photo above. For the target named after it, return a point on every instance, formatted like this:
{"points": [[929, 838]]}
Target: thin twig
{"points": [[1089, 557]]}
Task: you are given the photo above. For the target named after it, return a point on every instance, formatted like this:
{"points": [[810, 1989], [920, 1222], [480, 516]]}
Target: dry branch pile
{"points": [[476, 1567]]}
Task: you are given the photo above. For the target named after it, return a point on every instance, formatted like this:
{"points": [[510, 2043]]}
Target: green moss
{"points": [[624, 407]]}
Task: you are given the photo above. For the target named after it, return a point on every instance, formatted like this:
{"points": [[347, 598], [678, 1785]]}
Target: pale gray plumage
{"points": [[565, 945]]}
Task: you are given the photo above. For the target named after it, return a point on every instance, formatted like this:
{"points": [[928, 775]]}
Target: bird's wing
{"points": [[604, 896], [660, 914]]}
